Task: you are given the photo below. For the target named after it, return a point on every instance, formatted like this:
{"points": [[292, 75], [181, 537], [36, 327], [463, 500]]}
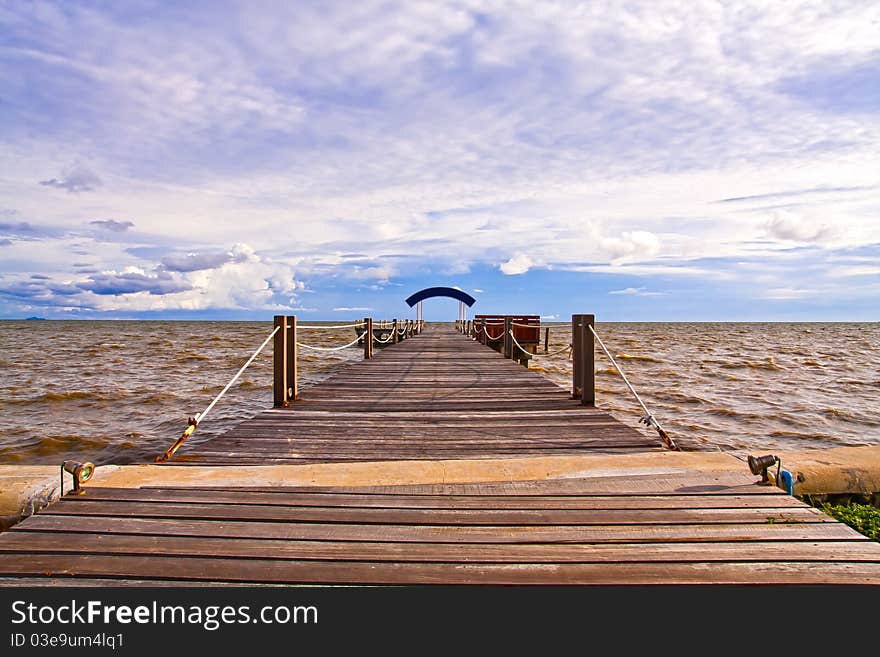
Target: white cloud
{"points": [[519, 263], [638, 292], [799, 228], [351, 309], [787, 293], [633, 245], [855, 270]]}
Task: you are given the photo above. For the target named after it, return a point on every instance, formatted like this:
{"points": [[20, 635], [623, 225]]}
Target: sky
{"points": [[654, 161]]}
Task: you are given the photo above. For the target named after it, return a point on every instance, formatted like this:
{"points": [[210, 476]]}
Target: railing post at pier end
{"points": [[368, 338], [394, 331], [292, 359], [508, 343], [279, 363], [583, 373]]}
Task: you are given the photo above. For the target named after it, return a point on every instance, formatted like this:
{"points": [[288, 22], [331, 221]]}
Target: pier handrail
{"points": [[567, 347], [492, 337], [198, 418], [285, 363], [302, 327], [339, 348], [649, 418]]}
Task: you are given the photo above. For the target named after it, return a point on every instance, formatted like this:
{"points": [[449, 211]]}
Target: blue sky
{"points": [[642, 161]]}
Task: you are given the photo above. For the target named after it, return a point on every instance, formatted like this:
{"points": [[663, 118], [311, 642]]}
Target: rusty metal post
{"points": [[508, 343], [279, 363], [546, 339], [583, 374]]}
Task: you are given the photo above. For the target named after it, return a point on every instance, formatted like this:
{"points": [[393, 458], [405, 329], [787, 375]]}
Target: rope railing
{"points": [[490, 336], [648, 419], [386, 340], [198, 418], [301, 327], [283, 351], [567, 347], [340, 348]]}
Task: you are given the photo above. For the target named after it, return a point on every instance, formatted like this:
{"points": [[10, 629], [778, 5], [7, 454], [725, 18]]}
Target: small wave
{"points": [[611, 371], [647, 359], [156, 397], [112, 345], [726, 412], [190, 357], [679, 397], [74, 395], [813, 363], [767, 364], [784, 433]]}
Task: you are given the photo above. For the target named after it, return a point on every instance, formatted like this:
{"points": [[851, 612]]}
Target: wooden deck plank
{"points": [[457, 516], [546, 502], [343, 572], [458, 534], [526, 553]]}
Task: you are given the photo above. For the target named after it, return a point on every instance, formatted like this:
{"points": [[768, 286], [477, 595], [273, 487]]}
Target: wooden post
{"points": [[508, 343], [292, 357], [546, 338], [583, 373], [368, 338], [279, 363], [394, 331]]}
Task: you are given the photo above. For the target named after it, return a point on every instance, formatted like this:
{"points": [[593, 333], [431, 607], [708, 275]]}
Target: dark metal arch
{"points": [[429, 292]]}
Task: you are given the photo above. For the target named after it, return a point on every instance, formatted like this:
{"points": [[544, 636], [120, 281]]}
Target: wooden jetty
{"points": [[437, 396]]}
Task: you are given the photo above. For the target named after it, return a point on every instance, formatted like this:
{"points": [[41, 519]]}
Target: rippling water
{"points": [[120, 392]]}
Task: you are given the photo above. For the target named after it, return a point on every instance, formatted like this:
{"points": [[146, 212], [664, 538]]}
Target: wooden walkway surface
{"points": [[436, 396]]}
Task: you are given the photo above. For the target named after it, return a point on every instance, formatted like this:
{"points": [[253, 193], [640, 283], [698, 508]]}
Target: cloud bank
{"points": [[251, 154]]}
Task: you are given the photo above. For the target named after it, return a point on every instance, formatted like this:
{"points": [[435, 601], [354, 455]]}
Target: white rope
{"points": [[201, 417], [553, 353], [491, 337], [386, 340], [301, 327], [345, 346], [649, 419], [532, 326]]}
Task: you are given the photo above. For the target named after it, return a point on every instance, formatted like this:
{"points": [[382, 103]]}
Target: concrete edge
{"points": [[24, 490]]}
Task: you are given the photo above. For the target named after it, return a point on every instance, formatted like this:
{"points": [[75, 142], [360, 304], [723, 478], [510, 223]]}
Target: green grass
{"points": [[864, 518]]}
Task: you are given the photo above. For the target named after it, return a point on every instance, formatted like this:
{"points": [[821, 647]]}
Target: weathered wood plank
{"points": [[122, 544], [802, 514], [292, 572], [458, 534], [546, 502]]}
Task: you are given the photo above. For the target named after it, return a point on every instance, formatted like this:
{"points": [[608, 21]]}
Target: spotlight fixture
{"points": [[81, 473], [758, 465]]}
